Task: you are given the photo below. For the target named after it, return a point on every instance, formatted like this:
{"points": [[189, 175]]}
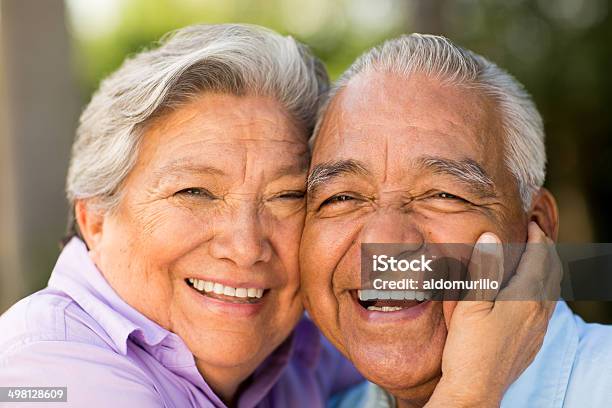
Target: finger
{"points": [[529, 281], [552, 285], [486, 268]]}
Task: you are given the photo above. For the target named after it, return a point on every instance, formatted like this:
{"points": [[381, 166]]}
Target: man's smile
{"points": [[384, 305]]}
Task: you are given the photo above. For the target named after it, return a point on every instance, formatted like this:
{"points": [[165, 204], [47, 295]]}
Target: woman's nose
{"points": [[242, 238]]}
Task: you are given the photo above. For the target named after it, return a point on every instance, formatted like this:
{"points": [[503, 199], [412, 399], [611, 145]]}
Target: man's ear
{"points": [[90, 221], [545, 213]]}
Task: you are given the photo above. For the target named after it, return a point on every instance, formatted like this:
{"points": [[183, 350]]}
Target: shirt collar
{"points": [[76, 275]]}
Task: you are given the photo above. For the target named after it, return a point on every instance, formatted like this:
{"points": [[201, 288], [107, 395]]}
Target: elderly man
{"points": [[424, 142]]}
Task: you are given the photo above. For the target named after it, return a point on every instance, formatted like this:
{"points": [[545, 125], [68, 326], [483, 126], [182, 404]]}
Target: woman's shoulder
{"points": [[48, 340], [48, 316], [91, 374]]}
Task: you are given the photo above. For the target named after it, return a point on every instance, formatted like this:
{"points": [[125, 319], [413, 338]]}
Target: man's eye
{"points": [[195, 192], [450, 197], [340, 198]]}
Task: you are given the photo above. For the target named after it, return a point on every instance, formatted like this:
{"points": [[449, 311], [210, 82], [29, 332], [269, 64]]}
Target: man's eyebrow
{"points": [[466, 171], [325, 172]]}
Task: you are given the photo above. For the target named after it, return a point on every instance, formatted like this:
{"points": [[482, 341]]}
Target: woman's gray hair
{"points": [[231, 58], [435, 56]]}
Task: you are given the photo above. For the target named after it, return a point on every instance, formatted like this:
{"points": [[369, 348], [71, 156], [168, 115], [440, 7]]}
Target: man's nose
{"points": [[241, 237], [392, 227]]}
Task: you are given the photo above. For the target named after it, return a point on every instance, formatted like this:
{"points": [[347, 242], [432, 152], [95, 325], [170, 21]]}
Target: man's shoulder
{"points": [[48, 315], [591, 372], [594, 350], [595, 340]]}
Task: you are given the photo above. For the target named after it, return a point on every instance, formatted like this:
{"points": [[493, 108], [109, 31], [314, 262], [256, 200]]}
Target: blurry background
{"points": [[53, 54]]}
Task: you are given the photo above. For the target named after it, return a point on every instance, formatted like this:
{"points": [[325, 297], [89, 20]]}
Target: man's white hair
{"points": [[230, 58], [436, 56]]}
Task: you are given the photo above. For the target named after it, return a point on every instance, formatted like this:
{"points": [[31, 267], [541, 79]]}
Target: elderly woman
{"points": [[180, 286]]}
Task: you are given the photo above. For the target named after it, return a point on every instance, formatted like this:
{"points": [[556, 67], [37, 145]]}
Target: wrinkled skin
{"points": [[390, 125], [216, 194]]}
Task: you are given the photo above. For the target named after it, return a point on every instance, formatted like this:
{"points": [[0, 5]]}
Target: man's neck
{"points": [[415, 397], [404, 403]]}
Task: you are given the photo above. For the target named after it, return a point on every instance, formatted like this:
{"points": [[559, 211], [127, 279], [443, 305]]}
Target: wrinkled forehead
{"points": [[402, 117]]}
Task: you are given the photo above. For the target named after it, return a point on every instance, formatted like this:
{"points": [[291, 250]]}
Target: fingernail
{"points": [[487, 238]]}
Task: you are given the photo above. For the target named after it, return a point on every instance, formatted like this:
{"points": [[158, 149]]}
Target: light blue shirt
{"points": [[573, 369]]}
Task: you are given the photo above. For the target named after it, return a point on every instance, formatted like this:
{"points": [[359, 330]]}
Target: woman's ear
{"points": [[545, 213], [90, 221]]}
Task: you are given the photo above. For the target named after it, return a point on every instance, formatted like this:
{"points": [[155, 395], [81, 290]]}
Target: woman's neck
{"points": [[224, 381]]}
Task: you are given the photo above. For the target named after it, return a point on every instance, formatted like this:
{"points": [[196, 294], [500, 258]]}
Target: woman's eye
{"points": [[195, 192], [292, 195], [340, 198]]}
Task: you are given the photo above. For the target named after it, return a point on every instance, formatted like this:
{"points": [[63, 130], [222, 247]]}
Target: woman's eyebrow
{"points": [[466, 171], [327, 171], [178, 168], [292, 169]]}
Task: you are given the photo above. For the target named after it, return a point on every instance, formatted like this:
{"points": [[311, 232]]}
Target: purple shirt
{"points": [[79, 333]]}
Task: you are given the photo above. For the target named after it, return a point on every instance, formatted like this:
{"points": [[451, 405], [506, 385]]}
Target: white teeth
{"points": [[200, 285], [373, 294], [385, 308], [220, 289], [397, 294]]}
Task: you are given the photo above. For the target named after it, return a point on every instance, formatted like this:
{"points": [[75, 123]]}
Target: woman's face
{"points": [[205, 238]]}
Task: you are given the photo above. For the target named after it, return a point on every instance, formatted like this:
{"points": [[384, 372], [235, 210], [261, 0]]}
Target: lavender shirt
{"points": [[79, 333]]}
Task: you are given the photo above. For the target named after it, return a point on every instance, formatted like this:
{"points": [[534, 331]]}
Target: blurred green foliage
{"points": [[560, 50]]}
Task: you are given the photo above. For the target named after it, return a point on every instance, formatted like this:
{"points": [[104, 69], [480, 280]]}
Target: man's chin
{"points": [[404, 356], [390, 373]]}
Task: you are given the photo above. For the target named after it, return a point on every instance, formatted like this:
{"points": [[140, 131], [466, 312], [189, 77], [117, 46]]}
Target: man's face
{"points": [[400, 160]]}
